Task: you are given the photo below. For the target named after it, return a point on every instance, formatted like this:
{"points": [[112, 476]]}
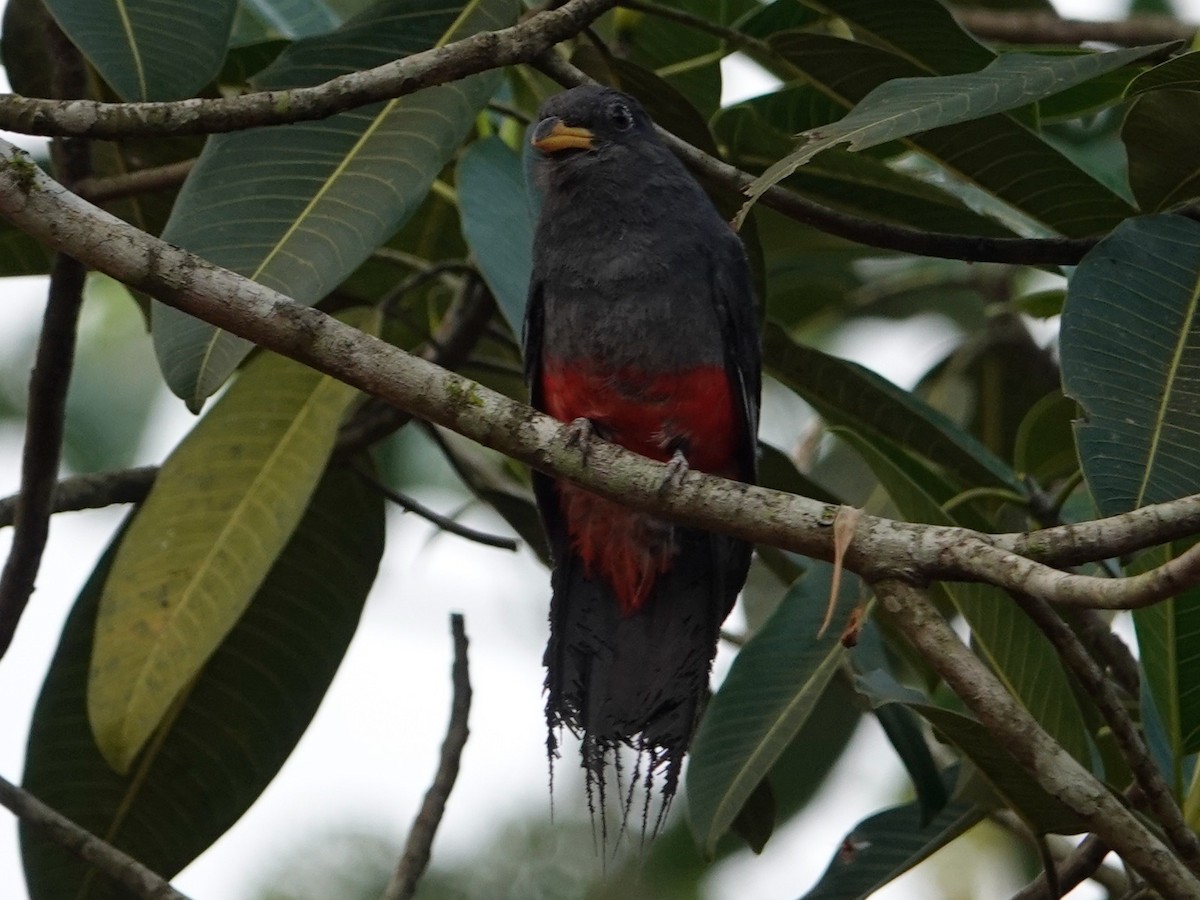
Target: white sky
{"points": [[362, 765]]}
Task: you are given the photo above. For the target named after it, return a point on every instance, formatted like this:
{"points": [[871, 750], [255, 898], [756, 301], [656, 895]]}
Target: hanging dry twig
{"points": [[411, 867]]}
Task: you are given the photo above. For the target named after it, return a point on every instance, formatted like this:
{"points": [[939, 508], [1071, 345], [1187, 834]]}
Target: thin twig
{"points": [[107, 859], [1080, 864], [1128, 739], [1036, 26], [445, 523], [51, 376], [886, 236], [413, 862], [128, 184], [420, 277], [440, 65], [1103, 814], [93, 491]]}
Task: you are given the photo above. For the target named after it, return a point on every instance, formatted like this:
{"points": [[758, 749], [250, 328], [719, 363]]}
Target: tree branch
{"points": [[881, 548], [1036, 26], [1128, 738], [1079, 865], [445, 523], [51, 376], [480, 52], [128, 184], [93, 491], [1020, 734], [125, 870], [403, 883]]}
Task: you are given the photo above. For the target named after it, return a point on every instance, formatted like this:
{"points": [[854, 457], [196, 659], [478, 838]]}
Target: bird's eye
{"points": [[621, 116]]}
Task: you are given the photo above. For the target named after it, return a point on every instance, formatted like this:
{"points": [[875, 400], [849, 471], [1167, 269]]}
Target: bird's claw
{"points": [[579, 434], [677, 468]]}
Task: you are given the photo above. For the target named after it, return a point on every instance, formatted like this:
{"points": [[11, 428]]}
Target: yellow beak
{"points": [[553, 136]]}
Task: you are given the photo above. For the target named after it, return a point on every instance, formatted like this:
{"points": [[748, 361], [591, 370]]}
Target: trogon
{"points": [[640, 329]]}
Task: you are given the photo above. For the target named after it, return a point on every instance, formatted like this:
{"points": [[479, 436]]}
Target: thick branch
{"points": [[478, 53], [881, 547], [403, 883], [125, 870], [1035, 26], [1020, 734]]}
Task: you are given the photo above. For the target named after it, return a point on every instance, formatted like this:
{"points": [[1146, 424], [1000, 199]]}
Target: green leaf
{"points": [[907, 106], [845, 393], [224, 504], [149, 49], [1168, 636], [299, 208], [687, 58], [497, 223], [922, 31], [294, 19], [1160, 134], [997, 154], [849, 181], [22, 255], [1044, 812], [884, 846], [769, 693], [1015, 649], [1130, 350], [24, 50], [1182, 73], [1045, 447], [236, 726]]}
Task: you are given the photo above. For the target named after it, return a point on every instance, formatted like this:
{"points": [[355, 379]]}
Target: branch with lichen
{"points": [[881, 548]]}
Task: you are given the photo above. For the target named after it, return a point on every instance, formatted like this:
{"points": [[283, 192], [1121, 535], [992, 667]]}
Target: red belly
{"points": [[651, 415]]}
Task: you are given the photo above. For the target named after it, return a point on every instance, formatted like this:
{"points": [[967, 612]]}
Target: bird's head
{"points": [[590, 123]]}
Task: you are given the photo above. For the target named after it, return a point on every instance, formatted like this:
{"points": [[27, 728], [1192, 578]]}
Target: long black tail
{"points": [[638, 681]]}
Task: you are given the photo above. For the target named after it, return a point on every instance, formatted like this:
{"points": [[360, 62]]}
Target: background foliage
{"points": [[417, 207]]}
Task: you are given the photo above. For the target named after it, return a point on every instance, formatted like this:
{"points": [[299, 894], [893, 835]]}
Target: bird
{"points": [[641, 329]]}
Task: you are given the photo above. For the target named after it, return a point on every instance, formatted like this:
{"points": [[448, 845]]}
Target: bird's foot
{"points": [[677, 468], [579, 434]]}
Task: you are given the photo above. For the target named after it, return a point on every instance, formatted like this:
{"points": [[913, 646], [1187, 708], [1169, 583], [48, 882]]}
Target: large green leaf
{"points": [[853, 182], [149, 49], [845, 393], [1004, 776], [299, 208], [1168, 636], [767, 696], [498, 223], [906, 106], [293, 19], [884, 846], [1131, 358], [238, 722], [998, 154], [1160, 132], [224, 504], [922, 31], [1179, 74], [20, 254], [1015, 649]]}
